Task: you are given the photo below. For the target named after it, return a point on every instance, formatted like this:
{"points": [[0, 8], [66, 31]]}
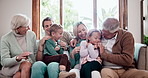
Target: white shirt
{"points": [[108, 44]]}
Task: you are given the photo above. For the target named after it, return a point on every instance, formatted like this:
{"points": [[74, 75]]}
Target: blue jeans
{"points": [[39, 69]]}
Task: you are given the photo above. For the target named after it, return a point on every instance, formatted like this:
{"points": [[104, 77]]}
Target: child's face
{"points": [[81, 31], [94, 38], [58, 34], [47, 25]]}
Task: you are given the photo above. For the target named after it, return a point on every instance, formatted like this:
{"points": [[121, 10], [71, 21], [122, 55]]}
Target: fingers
{"points": [[44, 39], [73, 42], [24, 55], [63, 44]]}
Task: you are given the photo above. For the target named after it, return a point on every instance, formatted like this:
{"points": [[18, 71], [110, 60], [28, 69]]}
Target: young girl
{"points": [[54, 53], [89, 54]]}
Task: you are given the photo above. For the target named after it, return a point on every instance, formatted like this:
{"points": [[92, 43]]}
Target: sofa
{"points": [[140, 55]]}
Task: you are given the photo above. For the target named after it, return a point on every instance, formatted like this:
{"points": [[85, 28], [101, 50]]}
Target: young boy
{"points": [[54, 53]]}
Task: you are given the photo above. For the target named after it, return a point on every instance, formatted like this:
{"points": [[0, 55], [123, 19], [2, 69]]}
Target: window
{"points": [[91, 12]]}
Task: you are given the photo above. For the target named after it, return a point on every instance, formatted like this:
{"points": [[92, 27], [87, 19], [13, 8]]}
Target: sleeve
{"points": [[83, 49], [35, 44], [92, 52], [6, 59], [49, 48], [125, 55]]}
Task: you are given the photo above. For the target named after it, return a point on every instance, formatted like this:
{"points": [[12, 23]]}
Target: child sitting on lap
{"points": [[54, 53]]}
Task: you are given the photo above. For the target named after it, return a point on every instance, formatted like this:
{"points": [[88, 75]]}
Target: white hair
{"points": [[111, 25], [19, 20]]}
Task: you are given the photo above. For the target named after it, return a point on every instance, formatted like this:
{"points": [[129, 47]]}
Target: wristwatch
{"points": [[17, 58]]}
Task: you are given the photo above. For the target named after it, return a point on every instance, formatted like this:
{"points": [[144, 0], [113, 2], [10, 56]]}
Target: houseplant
{"points": [[146, 40]]}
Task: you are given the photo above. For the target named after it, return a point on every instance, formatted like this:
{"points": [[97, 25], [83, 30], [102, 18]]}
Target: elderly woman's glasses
{"points": [[27, 27]]}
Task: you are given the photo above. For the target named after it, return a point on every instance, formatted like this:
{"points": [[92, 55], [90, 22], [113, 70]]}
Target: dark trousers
{"points": [[62, 59], [88, 67]]}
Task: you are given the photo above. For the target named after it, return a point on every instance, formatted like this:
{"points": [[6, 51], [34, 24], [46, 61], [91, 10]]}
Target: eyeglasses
{"points": [[25, 27]]}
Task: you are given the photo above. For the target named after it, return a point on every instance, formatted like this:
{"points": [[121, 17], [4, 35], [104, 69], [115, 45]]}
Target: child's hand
{"points": [[87, 44], [95, 46], [57, 48], [99, 60]]}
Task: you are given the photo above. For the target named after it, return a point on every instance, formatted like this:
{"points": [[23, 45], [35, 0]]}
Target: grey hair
{"points": [[19, 20], [111, 25]]}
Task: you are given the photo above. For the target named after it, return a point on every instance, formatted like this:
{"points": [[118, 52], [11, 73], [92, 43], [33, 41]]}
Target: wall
{"points": [[8, 8], [134, 19]]}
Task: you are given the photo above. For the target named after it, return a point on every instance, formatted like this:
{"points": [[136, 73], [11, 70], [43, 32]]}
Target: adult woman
{"points": [[18, 48], [80, 32]]}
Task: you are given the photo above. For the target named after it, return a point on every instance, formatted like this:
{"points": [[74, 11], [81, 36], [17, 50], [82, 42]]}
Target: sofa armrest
{"points": [[142, 62]]}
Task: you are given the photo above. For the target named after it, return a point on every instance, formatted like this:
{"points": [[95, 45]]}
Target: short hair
{"points": [[19, 20], [46, 19], [54, 28], [111, 25], [75, 30], [90, 33]]}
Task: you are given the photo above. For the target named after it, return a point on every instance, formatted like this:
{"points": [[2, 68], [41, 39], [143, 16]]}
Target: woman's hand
{"points": [[74, 51], [24, 55], [73, 42]]}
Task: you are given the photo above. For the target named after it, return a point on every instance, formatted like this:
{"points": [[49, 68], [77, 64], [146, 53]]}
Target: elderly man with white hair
{"points": [[118, 54], [18, 48]]}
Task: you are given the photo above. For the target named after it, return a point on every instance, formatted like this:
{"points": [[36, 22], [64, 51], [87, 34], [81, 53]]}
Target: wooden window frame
{"points": [[123, 15]]}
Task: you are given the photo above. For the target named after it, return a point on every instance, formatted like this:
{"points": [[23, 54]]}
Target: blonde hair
{"points": [[54, 28], [75, 28], [111, 25], [19, 20]]}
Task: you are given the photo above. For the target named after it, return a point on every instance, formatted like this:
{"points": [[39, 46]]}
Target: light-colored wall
{"points": [[10, 7], [134, 19]]}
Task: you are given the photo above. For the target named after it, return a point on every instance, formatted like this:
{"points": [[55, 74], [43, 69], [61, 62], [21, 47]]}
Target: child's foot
{"points": [[67, 75]]}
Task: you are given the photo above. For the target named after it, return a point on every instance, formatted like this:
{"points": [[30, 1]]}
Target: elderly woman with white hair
{"points": [[18, 48]]}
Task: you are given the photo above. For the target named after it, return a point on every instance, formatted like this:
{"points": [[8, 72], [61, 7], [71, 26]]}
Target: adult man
{"points": [[39, 68], [118, 54]]}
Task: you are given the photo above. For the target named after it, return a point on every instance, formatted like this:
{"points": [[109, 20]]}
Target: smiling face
{"points": [[94, 38], [81, 31], [47, 25], [22, 30]]}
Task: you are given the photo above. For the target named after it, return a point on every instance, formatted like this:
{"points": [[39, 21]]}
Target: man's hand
{"points": [[101, 48]]}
